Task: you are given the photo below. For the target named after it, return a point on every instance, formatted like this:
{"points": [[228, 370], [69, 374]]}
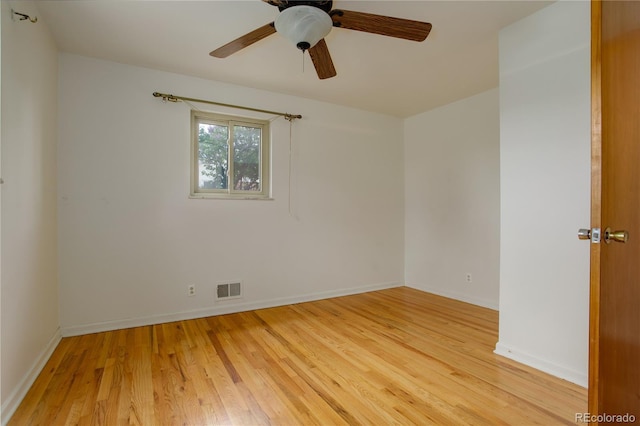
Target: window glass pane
{"points": [[246, 158], [213, 153]]}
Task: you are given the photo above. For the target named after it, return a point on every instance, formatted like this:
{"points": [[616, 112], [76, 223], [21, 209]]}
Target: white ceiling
{"points": [[375, 73]]}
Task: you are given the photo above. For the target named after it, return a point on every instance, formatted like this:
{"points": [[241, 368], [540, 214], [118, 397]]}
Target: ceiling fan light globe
{"points": [[304, 25]]}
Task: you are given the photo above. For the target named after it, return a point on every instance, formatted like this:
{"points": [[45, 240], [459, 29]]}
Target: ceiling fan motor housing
{"points": [[324, 5]]}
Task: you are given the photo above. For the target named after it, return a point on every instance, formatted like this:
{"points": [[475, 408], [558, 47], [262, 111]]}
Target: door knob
{"points": [[619, 236]]}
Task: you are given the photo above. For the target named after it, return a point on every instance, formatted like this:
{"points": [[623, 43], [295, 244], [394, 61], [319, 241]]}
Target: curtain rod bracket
{"points": [[172, 98], [23, 17], [166, 98]]}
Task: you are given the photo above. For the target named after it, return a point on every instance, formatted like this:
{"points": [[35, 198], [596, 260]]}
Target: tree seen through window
{"points": [[214, 141]]}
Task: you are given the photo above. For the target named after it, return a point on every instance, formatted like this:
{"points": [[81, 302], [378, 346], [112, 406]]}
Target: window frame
{"points": [[230, 121]]}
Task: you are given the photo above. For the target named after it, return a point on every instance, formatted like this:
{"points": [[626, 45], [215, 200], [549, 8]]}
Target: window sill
{"points": [[230, 197]]}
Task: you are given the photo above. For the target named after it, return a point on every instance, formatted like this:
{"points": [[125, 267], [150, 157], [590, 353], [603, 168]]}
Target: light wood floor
{"points": [[397, 356]]}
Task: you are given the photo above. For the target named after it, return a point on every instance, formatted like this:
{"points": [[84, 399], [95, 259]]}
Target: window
{"points": [[229, 156]]}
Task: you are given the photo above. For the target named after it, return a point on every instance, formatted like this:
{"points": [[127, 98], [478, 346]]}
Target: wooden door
{"points": [[614, 364]]}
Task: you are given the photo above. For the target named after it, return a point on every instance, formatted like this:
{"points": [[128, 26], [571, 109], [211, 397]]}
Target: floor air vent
{"points": [[229, 291]]}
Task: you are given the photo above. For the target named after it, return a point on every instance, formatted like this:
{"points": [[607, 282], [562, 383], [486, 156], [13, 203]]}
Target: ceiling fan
{"points": [[306, 23]]}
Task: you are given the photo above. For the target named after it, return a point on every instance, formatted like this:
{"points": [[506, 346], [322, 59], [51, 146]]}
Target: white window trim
{"points": [[265, 158]]}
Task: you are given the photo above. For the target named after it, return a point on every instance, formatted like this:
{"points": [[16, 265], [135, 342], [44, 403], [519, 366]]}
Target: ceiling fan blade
{"points": [[322, 60], [379, 24], [244, 41]]}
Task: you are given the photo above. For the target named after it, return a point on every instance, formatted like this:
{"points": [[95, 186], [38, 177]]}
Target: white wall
{"points": [[29, 260], [130, 239], [452, 196], [544, 167]]}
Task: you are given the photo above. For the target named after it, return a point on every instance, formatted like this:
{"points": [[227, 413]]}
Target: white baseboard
{"points": [[549, 367], [485, 303], [16, 396], [218, 309]]}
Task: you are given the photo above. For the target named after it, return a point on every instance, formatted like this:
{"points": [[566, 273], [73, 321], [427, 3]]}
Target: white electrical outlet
{"points": [[469, 277], [191, 290]]}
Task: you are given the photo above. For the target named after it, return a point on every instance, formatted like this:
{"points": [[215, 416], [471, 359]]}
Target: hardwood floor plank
{"points": [[396, 356]]}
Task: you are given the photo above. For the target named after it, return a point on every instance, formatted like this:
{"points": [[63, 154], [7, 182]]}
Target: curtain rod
{"points": [[173, 98]]}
